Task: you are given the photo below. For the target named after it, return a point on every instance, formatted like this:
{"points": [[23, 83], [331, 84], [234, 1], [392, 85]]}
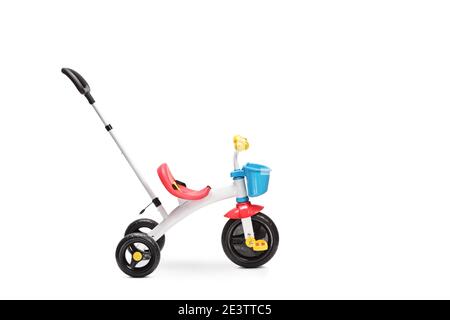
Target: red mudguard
{"points": [[243, 210]]}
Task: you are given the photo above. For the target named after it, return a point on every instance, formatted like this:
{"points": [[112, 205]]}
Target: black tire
{"points": [[138, 225], [146, 246], [233, 241]]}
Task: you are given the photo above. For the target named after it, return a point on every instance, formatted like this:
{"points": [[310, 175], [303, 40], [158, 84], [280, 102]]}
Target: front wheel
{"points": [[233, 241]]}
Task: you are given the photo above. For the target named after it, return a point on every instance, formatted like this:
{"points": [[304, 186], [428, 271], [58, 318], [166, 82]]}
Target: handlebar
{"points": [[240, 143], [79, 82]]}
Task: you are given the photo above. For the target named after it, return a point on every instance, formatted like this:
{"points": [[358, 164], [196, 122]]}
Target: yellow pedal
{"points": [[260, 245], [250, 242]]}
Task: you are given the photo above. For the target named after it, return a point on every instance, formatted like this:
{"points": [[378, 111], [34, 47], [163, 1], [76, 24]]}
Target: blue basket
{"points": [[257, 179]]}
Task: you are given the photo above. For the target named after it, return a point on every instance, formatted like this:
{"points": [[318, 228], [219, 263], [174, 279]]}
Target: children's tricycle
{"points": [[249, 238]]}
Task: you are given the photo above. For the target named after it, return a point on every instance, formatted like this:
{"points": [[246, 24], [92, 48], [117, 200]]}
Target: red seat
{"points": [[177, 189]]}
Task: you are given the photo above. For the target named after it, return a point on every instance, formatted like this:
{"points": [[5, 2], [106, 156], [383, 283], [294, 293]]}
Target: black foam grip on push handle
{"points": [[79, 83]]}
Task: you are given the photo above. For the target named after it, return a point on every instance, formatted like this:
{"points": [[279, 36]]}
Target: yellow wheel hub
{"points": [[137, 256]]}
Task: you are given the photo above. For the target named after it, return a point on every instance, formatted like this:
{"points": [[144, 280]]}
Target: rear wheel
{"points": [[233, 241], [137, 255], [144, 226]]}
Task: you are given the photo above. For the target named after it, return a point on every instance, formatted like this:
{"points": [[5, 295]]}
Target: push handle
{"points": [[79, 82]]}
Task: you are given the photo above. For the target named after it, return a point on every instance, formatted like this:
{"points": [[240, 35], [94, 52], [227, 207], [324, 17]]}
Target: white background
{"points": [[347, 102]]}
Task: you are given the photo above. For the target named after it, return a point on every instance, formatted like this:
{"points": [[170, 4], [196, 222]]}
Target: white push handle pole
{"points": [[109, 128], [84, 89]]}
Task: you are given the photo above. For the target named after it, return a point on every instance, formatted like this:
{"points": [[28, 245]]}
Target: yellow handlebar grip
{"points": [[240, 143]]}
